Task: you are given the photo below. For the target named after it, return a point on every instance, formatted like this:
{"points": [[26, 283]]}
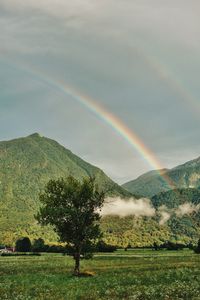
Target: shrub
{"points": [[197, 249], [23, 245], [39, 246], [172, 246], [55, 249], [103, 247]]}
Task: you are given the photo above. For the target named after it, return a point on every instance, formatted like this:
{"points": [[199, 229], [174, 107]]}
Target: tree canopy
{"points": [[72, 208]]}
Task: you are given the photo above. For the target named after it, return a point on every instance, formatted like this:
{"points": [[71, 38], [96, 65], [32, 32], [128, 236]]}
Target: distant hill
{"points": [[174, 198], [26, 165], [144, 231], [183, 226], [152, 183], [148, 184]]}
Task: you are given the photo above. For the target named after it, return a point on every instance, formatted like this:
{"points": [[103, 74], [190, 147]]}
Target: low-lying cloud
{"points": [[164, 213], [143, 208], [187, 209], [182, 210], [122, 207]]}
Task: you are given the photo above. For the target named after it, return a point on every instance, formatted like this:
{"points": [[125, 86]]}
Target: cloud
{"points": [[164, 213], [59, 8], [100, 47], [187, 209], [123, 208]]}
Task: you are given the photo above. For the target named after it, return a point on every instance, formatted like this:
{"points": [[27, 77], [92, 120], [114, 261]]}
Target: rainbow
{"points": [[164, 74], [115, 123], [107, 117], [119, 127]]}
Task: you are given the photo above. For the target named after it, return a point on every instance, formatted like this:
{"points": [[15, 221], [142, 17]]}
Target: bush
{"points": [[39, 246], [55, 249], [23, 245], [172, 246], [103, 247], [197, 249]]}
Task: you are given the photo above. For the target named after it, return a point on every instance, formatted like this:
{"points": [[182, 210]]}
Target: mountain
{"points": [[174, 198], [176, 219], [26, 165], [148, 184], [184, 176], [183, 207]]}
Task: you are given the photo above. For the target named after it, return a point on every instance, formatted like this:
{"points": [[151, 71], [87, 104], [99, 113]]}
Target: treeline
{"points": [[38, 245], [177, 246], [24, 245], [172, 246]]}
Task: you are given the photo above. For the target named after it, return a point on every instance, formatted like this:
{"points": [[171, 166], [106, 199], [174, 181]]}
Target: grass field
{"points": [[132, 275]]}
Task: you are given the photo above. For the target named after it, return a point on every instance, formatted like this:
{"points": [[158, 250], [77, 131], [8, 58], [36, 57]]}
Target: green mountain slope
{"points": [[26, 165], [144, 231], [186, 226], [174, 198], [151, 183], [148, 184]]}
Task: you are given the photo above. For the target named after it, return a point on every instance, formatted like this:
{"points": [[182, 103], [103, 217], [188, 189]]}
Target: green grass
{"points": [[139, 274]]}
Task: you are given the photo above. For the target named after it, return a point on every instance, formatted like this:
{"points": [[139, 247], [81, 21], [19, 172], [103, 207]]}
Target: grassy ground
{"points": [[130, 275]]}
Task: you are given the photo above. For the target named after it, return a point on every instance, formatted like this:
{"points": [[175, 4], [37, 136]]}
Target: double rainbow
{"points": [[109, 118]]}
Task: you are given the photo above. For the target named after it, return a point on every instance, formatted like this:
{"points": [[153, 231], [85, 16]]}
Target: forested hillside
{"points": [[152, 183], [26, 165]]}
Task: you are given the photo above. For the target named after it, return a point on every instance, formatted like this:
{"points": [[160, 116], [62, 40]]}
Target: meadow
{"points": [[133, 274]]}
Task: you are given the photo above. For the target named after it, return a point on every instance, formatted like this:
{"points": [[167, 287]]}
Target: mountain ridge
{"points": [[186, 175], [26, 165]]}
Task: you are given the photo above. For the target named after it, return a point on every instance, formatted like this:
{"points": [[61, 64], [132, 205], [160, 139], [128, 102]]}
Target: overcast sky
{"points": [[140, 59]]}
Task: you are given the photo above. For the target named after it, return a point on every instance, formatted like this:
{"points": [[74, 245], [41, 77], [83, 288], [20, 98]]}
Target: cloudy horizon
{"points": [[138, 59]]}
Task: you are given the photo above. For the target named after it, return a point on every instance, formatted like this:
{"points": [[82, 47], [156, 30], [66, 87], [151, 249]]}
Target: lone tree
{"points": [[23, 245], [72, 208]]}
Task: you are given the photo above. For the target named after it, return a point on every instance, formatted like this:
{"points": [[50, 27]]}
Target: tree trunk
{"points": [[77, 264]]}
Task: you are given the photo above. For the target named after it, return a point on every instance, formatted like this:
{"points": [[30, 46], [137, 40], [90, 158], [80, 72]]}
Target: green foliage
{"points": [[70, 206], [87, 250], [172, 246], [103, 247], [23, 245], [55, 249], [197, 249], [39, 245], [174, 198], [26, 165], [148, 184], [152, 183], [183, 228], [133, 231]]}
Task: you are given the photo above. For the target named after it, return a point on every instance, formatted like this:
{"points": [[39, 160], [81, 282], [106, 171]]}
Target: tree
{"points": [[39, 245], [71, 207], [23, 245], [103, 247], [197, 249], [155, 246]]}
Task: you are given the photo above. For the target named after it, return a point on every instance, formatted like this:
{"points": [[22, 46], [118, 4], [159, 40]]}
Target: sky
{"points": [[139, 59]]}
